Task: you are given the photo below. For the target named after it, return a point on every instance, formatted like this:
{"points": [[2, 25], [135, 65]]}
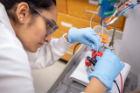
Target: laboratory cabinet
{"points": [[74, 13]]}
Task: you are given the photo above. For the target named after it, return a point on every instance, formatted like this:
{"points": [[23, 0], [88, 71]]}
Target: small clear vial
{"points": [[89, 69], [88, 66]]}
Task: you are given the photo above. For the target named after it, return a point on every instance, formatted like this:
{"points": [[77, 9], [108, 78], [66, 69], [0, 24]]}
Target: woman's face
{"points": [[31, 30]]}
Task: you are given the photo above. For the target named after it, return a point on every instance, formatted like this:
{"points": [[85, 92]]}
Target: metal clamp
{"points": [[125, 15]]}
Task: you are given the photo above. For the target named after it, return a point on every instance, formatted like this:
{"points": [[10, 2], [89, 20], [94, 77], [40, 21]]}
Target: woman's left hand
{"points": [[85, 36]]}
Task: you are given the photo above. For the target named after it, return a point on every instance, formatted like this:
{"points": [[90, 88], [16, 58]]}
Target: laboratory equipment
{"points": [[80, 74], [113, 8], [126, 53], [65, 84]]}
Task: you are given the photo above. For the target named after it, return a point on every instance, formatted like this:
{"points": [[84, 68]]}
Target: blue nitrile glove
{"points": [[85, 36], [107, 68]]}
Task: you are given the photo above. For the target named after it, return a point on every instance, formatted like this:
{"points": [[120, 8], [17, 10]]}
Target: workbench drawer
{"points": [[65, 22], [78, 8], [61, 6]]}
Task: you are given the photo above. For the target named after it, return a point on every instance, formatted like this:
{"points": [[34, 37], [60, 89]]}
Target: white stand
{"points": [[80, 75]]}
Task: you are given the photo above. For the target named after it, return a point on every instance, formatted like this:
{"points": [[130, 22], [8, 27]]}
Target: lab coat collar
{"points": [[4, 19]]}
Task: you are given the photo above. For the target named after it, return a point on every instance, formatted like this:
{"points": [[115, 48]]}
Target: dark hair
{"points": [[44, 4], [39, 4]]}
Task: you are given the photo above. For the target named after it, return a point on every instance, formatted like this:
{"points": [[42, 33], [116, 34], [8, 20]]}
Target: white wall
{"points": [[130, 48], [138, 87]]}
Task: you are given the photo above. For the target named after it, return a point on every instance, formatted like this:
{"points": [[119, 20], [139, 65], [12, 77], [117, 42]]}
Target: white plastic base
{"points": [[80, 75]]}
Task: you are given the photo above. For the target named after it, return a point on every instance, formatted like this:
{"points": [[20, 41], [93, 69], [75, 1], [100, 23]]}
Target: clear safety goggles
{"points": [[50, 24]]}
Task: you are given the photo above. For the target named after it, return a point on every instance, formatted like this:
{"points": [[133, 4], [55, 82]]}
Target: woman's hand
{"points": [[85, 36], [107, 68]]}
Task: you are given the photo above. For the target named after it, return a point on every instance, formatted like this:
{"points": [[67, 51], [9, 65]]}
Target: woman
{"points": [[24, 26]]}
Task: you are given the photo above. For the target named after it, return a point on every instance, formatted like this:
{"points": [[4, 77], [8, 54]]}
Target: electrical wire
{"points": [[119, 12], [75, 48], [126, 4], [94, 15], [111, 17], [121, 83], [115, 13], [117, 86], [102, 22], [121, 7], [130, 7], [91, 20]]}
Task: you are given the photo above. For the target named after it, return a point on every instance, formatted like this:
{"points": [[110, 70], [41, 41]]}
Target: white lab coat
{"points": [[16, 63]]}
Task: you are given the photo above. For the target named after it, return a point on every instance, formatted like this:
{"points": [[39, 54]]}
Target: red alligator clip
{"points": [[94, 54], [87, 62]]}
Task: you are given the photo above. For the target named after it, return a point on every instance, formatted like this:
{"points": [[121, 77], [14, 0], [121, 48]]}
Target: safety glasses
{"points": [[50, 24]]}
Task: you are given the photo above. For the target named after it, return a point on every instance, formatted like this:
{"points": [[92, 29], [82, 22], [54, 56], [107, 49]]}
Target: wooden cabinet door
{"points": [[61, 6], [78, 8]]}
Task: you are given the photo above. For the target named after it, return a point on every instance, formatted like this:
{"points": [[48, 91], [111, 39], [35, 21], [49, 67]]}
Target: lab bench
{"points": [[76, 87], [70, 64]]}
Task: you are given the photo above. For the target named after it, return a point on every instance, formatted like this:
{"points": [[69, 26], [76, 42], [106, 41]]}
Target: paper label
{"points": [[66, 24], [93, 2]]}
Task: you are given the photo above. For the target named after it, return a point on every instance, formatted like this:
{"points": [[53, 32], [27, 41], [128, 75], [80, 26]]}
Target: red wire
{"points": [[121, 7], [117, 11], [121, 83]]}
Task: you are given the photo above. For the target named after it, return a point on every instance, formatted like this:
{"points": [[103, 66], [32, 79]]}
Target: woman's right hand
{"points": [[107, 68], [85, 36]]}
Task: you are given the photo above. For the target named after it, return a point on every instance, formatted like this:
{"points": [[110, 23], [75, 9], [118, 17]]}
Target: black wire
{"points": [[120, 11], [117, 86], [75, 48], [138, 1]]}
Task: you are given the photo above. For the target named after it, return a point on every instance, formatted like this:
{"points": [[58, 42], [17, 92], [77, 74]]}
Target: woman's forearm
{"points": [[66, 37], [95, 86]]}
